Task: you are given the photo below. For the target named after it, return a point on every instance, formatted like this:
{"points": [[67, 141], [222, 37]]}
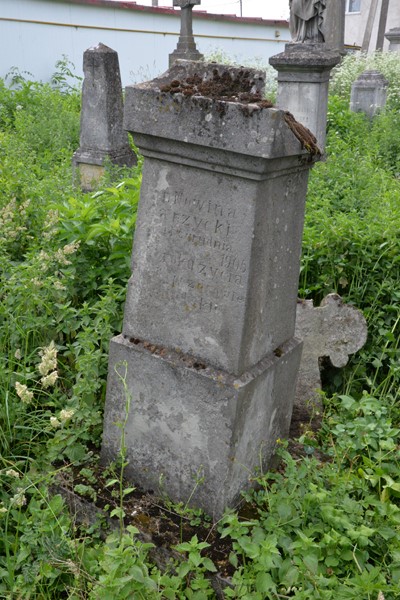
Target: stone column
{"points": [[207, 350], [186, 48], [393, 35], [303, 82], [102, 135], [368, 93], [334, 25]]}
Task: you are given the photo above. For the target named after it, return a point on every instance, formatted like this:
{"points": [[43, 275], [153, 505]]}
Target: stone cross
{"points": [[102, 136], [332, 330], [186, 48], [207, 349]]}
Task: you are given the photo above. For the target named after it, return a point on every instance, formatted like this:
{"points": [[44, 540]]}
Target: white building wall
{"points": [[355, 24], [34, 34]]}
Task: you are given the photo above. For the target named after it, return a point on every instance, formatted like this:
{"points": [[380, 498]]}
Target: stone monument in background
{"points": [[186, 48], [102, 136], [304, 67], [369, 93], [207, 351], [393, 35]]}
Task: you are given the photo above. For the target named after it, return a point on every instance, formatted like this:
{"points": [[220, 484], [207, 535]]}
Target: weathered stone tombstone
{"points": [[102, 136], [186, 48], [369, 93], [334, 330], [393, 35], [207, 350], [304, 67]]}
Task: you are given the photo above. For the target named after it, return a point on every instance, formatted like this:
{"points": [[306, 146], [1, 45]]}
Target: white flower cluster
{"points": [[49, 359], [23, 392], [48, 365], [64, 416], [47, 368]]}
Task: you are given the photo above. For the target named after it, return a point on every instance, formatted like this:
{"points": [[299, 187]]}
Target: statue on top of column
{"points": [[185, 3], [306, 20]]}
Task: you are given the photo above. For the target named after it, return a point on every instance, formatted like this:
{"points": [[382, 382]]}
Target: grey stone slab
{"points": [[188, 421]]}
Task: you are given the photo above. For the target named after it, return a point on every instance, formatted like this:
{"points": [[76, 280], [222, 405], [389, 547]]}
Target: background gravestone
{"points": [[207, 349], [393, 35], [102, 136], [369, 93]]}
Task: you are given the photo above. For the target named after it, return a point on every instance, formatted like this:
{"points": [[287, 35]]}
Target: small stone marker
{"points": [[369, 93], [186, 48], [208, 349], [102, 135], [333, 330], [393, 35]]}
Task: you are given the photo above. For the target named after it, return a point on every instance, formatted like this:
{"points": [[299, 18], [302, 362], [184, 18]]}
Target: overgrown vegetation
{"points": [[321, 527]]}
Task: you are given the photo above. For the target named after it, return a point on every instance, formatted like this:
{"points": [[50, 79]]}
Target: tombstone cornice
{"points": [[393, 35], [303, 57], [219, 133]]}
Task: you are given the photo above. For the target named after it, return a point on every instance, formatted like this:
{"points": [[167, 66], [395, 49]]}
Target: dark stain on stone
{"points": [[306, 138], [221, 87]]}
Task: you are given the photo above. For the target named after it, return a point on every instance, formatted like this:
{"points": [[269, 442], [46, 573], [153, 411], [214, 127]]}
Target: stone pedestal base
{"points": [[89, 165], [193, 431], [303, 81], [185, 52]]}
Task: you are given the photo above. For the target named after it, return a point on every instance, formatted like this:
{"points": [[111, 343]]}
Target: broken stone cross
{"points": [[186, 48], [333, 330]]}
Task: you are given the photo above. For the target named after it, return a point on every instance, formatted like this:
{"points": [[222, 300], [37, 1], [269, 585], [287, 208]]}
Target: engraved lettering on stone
{"points": [[209, 225]]}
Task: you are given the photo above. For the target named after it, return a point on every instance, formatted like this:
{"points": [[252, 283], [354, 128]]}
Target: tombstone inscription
{"points": [[207, 348]]}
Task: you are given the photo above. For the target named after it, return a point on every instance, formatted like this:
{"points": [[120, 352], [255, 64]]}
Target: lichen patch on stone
{"points": [[239, 88]]}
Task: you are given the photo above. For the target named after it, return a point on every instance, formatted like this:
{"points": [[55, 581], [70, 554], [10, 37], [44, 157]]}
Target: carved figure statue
{"points": [[185, 3], [306, 20]]}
